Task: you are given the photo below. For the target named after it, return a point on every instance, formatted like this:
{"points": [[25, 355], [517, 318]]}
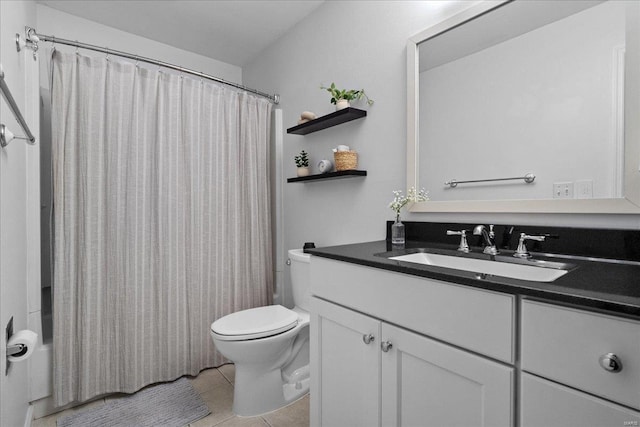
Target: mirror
{"points": [[546, 90]]}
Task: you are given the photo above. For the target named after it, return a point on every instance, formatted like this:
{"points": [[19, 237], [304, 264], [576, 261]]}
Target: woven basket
{"points": [[345, 160]]}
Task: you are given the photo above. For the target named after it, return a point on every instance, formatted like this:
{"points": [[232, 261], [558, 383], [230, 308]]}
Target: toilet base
{"points": [[292, 392], [258, 393]]}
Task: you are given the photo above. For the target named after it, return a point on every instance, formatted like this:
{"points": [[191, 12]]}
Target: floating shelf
{"points": [[333, 119], [330, 175]]}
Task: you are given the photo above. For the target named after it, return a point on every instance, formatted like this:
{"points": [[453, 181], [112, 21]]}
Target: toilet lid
{"points": [[255, 323]]}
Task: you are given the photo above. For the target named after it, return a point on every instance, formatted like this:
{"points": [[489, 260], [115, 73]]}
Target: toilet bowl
{"points": [[270, 347]]}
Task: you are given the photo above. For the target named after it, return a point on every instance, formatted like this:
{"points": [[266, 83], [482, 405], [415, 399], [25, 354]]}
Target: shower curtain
{"points": [[162, 221]]}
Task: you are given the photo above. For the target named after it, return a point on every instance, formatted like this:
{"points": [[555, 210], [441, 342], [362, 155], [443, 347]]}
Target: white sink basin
{"points": [[496, 268]]}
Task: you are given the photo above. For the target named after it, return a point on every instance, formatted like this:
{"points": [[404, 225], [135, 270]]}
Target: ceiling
{"points": [[234, 32]]}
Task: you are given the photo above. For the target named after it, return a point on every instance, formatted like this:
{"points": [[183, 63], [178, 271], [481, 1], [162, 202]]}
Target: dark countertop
{"points": [[592, 284]]}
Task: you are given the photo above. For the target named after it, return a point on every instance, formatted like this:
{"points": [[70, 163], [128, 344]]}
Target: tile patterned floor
{"points": [[216, 389]]}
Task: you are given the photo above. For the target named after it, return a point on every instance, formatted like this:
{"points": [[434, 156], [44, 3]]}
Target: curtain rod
{"points": [[33, 38]]}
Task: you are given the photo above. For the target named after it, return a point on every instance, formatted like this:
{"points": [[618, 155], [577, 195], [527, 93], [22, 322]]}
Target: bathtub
{"points": [[41, 368]]}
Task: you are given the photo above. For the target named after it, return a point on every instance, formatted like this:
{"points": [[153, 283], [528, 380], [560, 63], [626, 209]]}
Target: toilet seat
{"points": [[255, 323]]}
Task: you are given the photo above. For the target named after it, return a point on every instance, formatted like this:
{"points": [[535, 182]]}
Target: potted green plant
{"points": [[302, 162], [342, 97]]}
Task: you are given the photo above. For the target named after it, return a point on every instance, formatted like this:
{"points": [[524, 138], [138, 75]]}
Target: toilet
{"points": [[270, 347]]}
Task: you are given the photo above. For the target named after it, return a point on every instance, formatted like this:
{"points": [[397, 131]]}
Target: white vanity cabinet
{"points": [[367, 372], [596, 356], [375, 361]]}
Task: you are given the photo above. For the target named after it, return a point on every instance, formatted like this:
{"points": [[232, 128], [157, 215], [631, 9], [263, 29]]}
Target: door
{"points": [[428, 383], [345, 363]]}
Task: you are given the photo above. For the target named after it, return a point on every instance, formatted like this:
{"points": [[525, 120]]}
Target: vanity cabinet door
{"points": [[345, 369], [547, 404], [428, 383]]}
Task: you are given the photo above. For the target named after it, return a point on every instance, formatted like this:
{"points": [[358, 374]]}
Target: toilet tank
{"points": [[300, 280]]}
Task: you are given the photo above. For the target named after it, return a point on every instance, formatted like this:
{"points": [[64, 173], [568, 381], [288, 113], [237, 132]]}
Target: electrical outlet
{"points": [[584, 189], [563, 190]]}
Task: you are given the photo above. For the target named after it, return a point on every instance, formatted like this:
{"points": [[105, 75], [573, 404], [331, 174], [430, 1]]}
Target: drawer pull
{"points": [[368, 338], [610, 362], [386, 346]]}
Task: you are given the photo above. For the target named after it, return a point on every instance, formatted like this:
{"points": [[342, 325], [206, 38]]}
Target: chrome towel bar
{"points": [[6, 93], [528, 178]]}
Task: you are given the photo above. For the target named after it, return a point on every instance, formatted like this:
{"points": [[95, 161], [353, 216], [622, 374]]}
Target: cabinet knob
{"points": [[368, 338], [610, 362], [386, 346]]}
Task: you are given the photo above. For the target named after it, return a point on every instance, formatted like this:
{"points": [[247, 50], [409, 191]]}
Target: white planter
{"points": [[303, 171], [341, 104]]}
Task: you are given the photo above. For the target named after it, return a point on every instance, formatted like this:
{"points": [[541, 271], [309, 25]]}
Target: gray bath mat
{"points": [[173, 404]]}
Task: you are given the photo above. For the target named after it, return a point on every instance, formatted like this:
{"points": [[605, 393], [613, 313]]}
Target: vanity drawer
{"points": [[545, 403], [475, 319], [566, 345]]}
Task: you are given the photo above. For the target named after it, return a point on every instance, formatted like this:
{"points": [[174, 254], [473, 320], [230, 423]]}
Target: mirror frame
{"points": [[629, 204]]}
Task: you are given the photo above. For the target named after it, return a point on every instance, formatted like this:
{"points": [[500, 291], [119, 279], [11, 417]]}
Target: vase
{"points": [[397, 232], [342, 104], [303, 171]]}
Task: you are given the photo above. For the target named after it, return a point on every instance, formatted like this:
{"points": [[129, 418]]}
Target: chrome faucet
{"points": [[464, 246], [489, 242], [521, 251]]}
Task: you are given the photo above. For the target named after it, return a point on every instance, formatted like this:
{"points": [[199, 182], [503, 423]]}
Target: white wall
{"points": [[356, 44], [361, 44], [52, 22], [19, 206]]}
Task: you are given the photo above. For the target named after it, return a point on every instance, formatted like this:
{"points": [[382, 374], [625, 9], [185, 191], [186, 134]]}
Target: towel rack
{"points": [[528, 178], [6, 93]]}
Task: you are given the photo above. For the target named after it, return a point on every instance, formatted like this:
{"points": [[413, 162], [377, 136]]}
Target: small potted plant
{"points": [[342, 97], [302, 162]]}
